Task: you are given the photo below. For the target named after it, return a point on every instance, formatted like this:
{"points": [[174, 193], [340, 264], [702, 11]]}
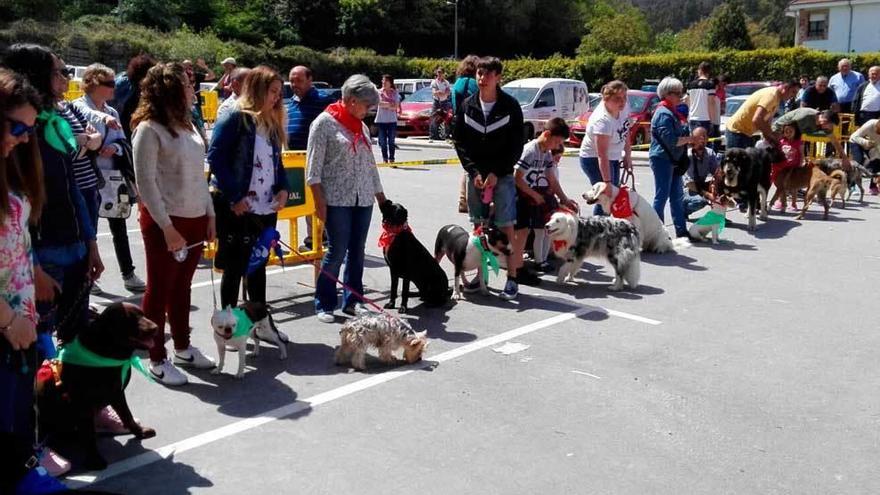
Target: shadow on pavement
{"points": [[673, 259], [176, 479]]}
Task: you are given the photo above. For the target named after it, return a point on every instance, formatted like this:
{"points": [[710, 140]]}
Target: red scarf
{"points": [[389, 232], [561, 244], [355, 126], [620, 207], [665, 104]]}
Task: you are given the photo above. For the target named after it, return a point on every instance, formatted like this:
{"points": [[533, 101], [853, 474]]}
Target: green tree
{"points": [[728, 28], [615, 28], [157, 14]]}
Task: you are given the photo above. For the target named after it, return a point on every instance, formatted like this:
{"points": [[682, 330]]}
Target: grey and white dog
{"points": [[575, 238], [385, 333]]}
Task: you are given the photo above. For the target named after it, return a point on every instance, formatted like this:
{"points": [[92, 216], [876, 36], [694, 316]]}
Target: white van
{"points": [[543, 98], [407, 87]]}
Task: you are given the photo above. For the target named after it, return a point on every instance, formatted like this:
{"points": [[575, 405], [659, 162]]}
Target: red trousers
{"points": [[168, 280]]}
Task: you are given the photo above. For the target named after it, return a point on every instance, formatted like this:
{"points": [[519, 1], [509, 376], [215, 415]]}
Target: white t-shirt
{"points": [[871, 98], [698, 92], [487, 108], [602, 122], [440, 86], [260, 197], [535, 165]]}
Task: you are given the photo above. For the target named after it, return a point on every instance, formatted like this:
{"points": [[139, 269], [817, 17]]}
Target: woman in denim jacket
{"points": [[669, 142], [245, 158]]}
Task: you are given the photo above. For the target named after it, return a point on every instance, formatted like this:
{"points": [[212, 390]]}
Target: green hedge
{"points": [[103, 39]]}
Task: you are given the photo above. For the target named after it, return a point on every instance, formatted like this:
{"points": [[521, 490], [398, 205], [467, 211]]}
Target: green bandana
{"points": [[57, 132], [487, 258], [243, 323], [712, 218], [75, 353]]}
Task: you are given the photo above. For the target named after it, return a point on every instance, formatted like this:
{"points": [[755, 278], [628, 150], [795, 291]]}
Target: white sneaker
{"points": [[167, 374], [133, 283], [193, 357], [325, 317]]}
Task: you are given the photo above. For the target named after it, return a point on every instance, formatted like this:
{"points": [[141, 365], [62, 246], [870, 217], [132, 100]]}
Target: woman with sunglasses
{"points": [[114, 153], [176, 213], [66, 251], [669, 130], [607, 138]]}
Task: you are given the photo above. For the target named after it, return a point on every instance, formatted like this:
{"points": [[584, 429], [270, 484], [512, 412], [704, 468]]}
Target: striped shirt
{"points": [[83, 170], [301, 112]]}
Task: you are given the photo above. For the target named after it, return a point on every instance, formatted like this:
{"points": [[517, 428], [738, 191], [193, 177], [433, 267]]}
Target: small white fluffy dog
{"points": [[654, 236], [576, 238], [257, 326]]}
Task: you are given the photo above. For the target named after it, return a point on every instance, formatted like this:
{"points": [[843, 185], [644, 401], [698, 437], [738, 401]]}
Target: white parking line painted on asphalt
{"points": [[147, 458], [586, 374]]}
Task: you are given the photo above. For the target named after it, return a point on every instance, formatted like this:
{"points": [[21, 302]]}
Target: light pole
{"points": [[455, 3]]}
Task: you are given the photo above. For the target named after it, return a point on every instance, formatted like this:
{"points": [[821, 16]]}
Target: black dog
{"points": [[70, 395], [409, 260], [745, 175]]}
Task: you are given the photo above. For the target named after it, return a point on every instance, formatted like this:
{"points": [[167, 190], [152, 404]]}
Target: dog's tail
{"points": [[839, 175]]}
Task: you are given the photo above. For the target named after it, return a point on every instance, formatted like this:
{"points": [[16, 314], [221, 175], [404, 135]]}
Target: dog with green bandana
{"points": [[233, 326]]}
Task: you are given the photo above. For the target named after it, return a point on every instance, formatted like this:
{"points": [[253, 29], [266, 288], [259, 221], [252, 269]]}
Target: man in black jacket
{"points": [[489, 141]]}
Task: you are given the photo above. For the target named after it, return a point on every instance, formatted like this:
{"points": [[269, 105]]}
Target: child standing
{"points": [[792, 147], [538, 191]]}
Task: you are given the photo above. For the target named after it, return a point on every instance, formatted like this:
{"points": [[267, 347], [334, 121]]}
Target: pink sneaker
{"points": [[53, 463], [778, 205], [108, 422]]}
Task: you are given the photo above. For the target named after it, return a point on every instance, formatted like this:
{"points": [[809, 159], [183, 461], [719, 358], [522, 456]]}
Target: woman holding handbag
{"points": [[245, 158], [114, 158], [668, 153]]}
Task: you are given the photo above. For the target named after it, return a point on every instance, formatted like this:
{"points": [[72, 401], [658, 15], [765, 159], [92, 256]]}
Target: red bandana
{"points": [[559, 245], [620, 207], [665, 104], [389, 233], [337, 111]]}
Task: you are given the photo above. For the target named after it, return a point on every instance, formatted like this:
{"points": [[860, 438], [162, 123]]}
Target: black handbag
{"points": [[680, 166]]}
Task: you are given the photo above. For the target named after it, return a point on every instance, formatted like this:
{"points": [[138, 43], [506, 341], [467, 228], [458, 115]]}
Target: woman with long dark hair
{"points": [[245, 157], [176, 214]]}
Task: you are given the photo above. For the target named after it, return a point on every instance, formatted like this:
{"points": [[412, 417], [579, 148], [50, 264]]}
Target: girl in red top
{"points": [[792, 148]]}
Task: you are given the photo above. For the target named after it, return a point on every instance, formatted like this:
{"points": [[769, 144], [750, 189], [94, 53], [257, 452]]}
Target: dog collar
{"points": [[712, 218], [386, 238], [243, 324], [75, 353], [487, 257], [620, 207]]}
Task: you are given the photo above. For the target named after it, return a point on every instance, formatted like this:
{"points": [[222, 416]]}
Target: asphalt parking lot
{"points": [[747, 367]]}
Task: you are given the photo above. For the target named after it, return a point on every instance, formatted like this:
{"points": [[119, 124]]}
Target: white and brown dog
{"points": [[576, 238], [654, 236], [713, 222], [233, 327]]}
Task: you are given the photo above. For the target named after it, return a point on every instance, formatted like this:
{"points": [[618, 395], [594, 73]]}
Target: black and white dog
{"points": [[746, 176], [460, 247], [576, 238], [409, 260]]}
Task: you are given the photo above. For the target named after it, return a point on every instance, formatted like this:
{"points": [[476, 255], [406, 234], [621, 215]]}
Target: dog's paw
{"points": [[402, 310], [389, 305]]}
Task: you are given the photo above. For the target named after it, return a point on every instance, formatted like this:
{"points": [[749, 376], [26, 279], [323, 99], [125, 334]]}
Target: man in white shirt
{"points": [[866, 105], [440, 90], [702, 105], [236, 77]]}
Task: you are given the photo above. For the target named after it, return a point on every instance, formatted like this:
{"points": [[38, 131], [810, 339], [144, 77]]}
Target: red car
{"points": [[641, 104], [415, 115]]}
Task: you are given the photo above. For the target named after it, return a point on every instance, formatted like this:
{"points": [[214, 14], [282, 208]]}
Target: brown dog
{"points": [[812, 178]]}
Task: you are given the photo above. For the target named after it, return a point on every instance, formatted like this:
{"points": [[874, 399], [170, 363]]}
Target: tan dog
{"points": [[809, 177], [383, 332]]}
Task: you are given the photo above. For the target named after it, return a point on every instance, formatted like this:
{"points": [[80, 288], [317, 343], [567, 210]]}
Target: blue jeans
{"points": [[668, 187], [590, 166], [693, 203], [504, 197], [346, 229], [387, 134], [737, 140]]}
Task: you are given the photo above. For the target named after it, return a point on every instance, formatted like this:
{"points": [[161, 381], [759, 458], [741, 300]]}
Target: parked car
{"points": [[407, 87], [747, 88], [733, 104], [415, 115], [641, 104], [595, 98], [542, 99]]}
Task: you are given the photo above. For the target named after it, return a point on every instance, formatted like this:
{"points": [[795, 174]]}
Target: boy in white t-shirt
{"points": [[538, 190]]}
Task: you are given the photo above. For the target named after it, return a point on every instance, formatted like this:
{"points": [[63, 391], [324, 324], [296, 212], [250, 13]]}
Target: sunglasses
{"points": [[67, 72], [18, 129]]}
